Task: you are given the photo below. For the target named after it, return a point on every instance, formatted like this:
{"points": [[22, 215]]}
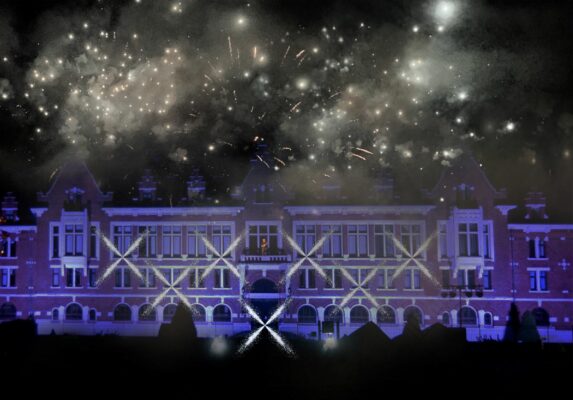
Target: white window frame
{"points": [[537, 271], [6, 270]]}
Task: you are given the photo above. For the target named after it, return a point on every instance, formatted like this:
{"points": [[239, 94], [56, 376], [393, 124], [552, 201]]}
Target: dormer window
{"points": [[465, 196], [262, 194], [75, 195], [74, 199]]}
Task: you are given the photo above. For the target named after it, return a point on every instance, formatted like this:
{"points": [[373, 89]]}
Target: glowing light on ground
{"points": [[264, 326]]}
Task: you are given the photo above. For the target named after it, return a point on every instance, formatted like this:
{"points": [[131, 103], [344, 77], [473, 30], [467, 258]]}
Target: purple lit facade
{"points": [[481, 254]]}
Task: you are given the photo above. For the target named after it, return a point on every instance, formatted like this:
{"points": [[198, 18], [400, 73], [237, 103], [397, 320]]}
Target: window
{"points": [[541, 316], [538, 281], [537, 248], [148, 278], [307, 278], [357, 240], [306, 315], [55, 241], [446, 278], [446, 318], [147, 313], [385, 315], [148, 245], [74, 312], [169, 312], [172, 275], [359, 315], [94, 251], [7, 245], [7, 311], [467, 277], [92, 315], [195, 278], [92, 277], [487, 279], [222, 278], [8, 277], [333, 313], [384, 241], [469, 316], [262, 194], [443, 240], [122, 277], [412, 279], [332, 246], [360, 275], [74, 240], [385, 279], [334, 278], [55, 277], [198, 312], [305, 237], [55, 314], [122, 238], [172, 241], [468, 240], [195, 244], [221, 238], [263, 239], [413, 314], [410, 237], [222, 313], [73, 276], [487, 319], [122, 312], [486, 241]]}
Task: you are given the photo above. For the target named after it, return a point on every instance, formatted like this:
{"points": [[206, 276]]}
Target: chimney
{"points": [[196, 187], [9, 212], [147, 187]]}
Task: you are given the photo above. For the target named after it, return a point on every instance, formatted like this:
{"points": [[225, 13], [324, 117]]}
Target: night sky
{"points": [[335, 88]]}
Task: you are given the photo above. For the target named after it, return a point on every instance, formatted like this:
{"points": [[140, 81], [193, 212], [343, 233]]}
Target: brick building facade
{"points": [[89, 265]]}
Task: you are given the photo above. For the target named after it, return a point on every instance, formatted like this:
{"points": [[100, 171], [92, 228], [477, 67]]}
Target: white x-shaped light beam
{"points": [[305, 256], [359, 287], [412, 258], [265, 325], [221, 256], [121, 257]]}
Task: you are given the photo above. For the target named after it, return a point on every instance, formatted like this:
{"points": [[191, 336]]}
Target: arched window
{"points": [[333, 313], [306, 315], [469, 316], [169, 312], [413, 312], [386, 315], [222, 313], [74, 312], [92, 314], [359, 315], [147, 313], [122, 312], [55, 314], [446, 318], [7, 311], [199, 314], [487, 319], [541, 316]]}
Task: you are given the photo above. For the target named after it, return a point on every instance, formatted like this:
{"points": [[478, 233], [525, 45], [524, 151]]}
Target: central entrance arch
{"points": [[264, 298]]}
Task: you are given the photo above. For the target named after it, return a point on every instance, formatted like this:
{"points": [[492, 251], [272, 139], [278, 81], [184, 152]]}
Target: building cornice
{"points": [[528, 227], [363, 209], [17, 228], [38, 211], [171, 211]]}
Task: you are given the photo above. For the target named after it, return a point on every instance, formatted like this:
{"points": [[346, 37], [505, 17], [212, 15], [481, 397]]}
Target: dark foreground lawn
{"points": [[72, 366]]}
